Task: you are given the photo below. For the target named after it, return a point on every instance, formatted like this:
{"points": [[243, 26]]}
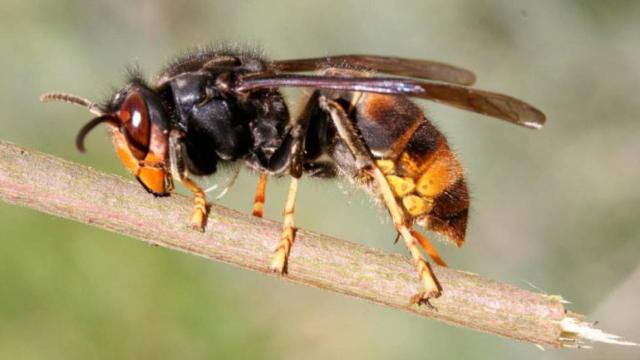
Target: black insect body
{"points": [[213, 107]]}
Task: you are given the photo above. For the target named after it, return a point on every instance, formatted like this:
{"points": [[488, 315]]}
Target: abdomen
{"points": [[423, 172]]}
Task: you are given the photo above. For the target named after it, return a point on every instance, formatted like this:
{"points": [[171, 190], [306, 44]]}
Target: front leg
{"points": [[179, 171]]}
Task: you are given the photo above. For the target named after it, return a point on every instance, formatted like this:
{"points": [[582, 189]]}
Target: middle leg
{"points": [[279, 261], [281, 253]]}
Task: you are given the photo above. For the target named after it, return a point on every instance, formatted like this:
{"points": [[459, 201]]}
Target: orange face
{"points": [[150, 171], [141, 145]]}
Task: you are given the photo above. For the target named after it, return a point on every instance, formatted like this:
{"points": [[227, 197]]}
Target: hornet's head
{"points": [[139, 126]]}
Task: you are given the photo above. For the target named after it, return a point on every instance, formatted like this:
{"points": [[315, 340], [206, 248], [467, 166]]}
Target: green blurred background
{"points": [[557, 209]]}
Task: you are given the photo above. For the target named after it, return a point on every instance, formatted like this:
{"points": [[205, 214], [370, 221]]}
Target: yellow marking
{"points": [[389, 198], [386, 166], [416, 166], [281, 253], [416, 205], [435, 180], [409, 165], [401, 186]]}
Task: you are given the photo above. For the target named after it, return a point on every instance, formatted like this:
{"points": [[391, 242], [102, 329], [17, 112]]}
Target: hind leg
{"points": [[364, 162], [412, 239]]}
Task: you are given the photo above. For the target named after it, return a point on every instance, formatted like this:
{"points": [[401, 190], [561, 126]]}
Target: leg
{"points": [[426, 246], [279, 260], [348, 133], [364, 162], [412, 239], [298, 133], [258, 200], [200, 211]]}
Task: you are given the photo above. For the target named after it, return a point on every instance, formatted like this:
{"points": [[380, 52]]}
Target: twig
{"points": [[73, 191]]}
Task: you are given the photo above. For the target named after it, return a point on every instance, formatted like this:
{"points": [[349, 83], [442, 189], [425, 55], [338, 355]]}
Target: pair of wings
{"points": [[441, 83]]}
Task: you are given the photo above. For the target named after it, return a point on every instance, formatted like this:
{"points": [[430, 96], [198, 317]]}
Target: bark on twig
{"points": [[73, 191]]}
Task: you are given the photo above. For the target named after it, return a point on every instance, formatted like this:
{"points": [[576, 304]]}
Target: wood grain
{"points": [[59, 187]]}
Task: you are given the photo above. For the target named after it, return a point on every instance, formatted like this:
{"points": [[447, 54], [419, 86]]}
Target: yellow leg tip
{"points": [[278, 262], [431, 290], [198, 220], [281, 256], [430, 286]]}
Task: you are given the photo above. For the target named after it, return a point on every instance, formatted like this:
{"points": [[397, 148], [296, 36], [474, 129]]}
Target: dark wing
{"points": [[483, 102], [423, 69]]}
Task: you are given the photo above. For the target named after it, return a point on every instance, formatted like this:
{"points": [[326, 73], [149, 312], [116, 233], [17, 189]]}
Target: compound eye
{"points": [[135, 124]]}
